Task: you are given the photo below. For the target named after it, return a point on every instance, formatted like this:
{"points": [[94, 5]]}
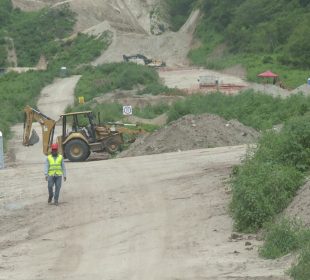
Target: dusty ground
{"points": [[193, 132], [164, 218], [151, 217]]}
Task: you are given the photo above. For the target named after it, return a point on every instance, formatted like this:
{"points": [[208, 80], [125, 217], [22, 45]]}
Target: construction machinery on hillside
{"points": [[80, 134], [143, 60]]}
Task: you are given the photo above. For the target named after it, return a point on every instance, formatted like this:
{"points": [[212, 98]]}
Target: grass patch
{"points": [[270, 176], [284, 237], [157, 88], [107, 77], [16, 91], [75, 52], [151, 112], [109, 112], [179, 10], [301, 271], [257, 110], [32, 32], [260, 191]]}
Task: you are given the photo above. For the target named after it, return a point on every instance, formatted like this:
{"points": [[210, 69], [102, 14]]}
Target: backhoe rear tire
{"points": [[77, 150]]}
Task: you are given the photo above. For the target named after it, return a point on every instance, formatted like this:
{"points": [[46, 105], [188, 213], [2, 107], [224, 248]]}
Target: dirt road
{"points": [[152, 217]]}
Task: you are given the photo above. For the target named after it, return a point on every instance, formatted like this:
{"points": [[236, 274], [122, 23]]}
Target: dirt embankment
{"points": [[193, 132]]}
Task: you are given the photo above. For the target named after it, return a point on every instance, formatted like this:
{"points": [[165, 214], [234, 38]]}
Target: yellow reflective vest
{"points": [[55, 165]]}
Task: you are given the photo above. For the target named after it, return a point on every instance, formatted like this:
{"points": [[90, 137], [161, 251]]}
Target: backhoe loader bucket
{"points": [[34, 138]]}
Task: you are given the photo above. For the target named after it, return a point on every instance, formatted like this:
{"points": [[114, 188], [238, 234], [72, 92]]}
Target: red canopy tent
{"points": [[268, 74]]}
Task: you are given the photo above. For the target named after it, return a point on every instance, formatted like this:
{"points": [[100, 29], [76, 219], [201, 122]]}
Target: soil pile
{"points": [[193, 132], [300, 206]]}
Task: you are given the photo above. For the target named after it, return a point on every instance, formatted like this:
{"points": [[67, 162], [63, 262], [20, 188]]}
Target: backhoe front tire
{"points": [[77, 150], [113, 146]]}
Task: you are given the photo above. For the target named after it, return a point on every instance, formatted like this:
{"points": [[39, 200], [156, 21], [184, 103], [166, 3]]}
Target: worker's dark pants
{"points": [[54, 180]]}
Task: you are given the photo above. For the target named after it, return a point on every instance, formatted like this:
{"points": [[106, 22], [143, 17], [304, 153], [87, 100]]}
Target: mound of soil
{"points": [[193, 132], [300, 206]]}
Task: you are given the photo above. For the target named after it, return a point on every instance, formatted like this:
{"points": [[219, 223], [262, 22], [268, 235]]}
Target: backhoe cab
{"points": [[80, 134]]}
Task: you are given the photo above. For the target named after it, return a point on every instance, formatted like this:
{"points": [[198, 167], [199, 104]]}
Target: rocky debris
{"points": [[193, 132], [270, 89]]}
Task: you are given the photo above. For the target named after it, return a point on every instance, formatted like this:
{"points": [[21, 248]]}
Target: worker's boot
{"points": [[56, 203], [49, 199]]}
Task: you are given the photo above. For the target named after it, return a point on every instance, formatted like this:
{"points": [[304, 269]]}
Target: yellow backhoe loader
{"points": [[80, 134]]}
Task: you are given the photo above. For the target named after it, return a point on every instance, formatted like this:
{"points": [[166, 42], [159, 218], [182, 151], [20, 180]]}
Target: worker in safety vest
{"points": [[54, 170]]}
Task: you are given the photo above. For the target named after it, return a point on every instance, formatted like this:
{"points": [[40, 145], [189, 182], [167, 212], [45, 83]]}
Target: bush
{"points": [[156, 89], [150, 112], [33, 31], [290, 147], [107, 77], [260, 191], [288, 236], [179, 10], [282, 238], [270, 177], [301, 271], [260, 111]]}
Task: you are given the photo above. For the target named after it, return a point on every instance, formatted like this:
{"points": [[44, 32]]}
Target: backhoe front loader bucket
{"points": [[34, 138]]}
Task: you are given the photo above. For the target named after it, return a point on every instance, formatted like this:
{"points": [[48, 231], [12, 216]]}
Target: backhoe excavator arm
{"points": [[47, 125]]}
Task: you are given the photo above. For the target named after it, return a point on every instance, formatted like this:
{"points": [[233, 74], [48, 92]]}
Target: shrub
{"points": [[33, 31], [260, 191], [290, 147], [257, 110], [150, 112], [301, 271], [107, 77], [281, 238]]}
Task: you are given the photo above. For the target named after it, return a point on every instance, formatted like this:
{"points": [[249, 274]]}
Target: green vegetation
{"points": [[284, 237], [257, 110], [179, 11], [260, 191], [74, 52], [301, 271], [156, 88], [260, 35], [271, 174], [33, 36], [5, 11], [109, 112], [151, 112], [16, 92], [104, 78], [32, 32]]}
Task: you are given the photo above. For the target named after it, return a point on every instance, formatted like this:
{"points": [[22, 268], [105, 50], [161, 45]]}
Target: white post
{"points": [[1, 152]]}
